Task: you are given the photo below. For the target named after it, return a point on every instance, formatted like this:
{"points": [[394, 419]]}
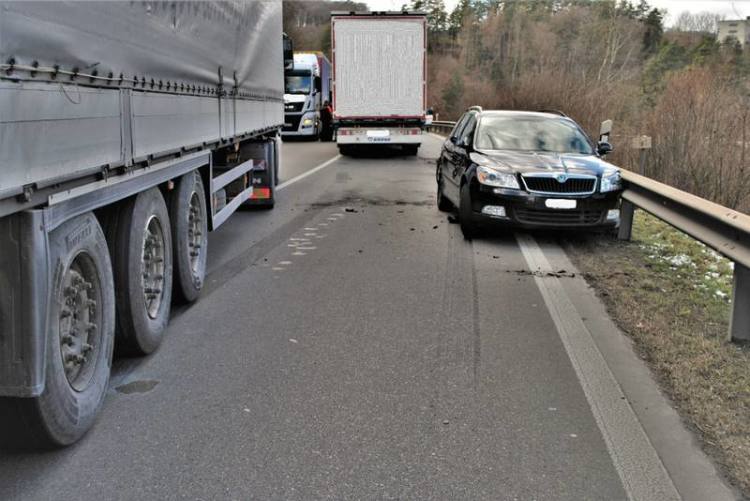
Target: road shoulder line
{"points": [[641, 471]]}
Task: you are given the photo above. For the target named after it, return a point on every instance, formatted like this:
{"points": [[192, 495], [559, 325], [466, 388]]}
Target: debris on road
{"points": [[540, 273]]}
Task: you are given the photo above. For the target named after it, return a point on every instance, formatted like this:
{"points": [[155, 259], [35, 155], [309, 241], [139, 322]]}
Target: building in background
{"points": [[739, 30]]}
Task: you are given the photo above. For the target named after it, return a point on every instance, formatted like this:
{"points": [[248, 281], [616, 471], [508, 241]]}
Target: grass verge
{"points": [[672, 296]]}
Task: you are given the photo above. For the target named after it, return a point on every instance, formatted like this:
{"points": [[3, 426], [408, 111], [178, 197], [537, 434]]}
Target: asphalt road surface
{"points": [[350, 344]]}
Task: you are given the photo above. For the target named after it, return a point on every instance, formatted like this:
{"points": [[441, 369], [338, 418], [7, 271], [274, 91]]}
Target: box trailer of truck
{"points": [[307, 87], [379, 71], [128, 130]]}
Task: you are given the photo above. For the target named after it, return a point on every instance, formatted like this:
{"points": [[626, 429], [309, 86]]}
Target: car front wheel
{"points": [[466, 217], [443, 203]]}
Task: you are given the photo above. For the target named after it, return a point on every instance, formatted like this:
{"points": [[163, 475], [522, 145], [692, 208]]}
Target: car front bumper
{"points": [[530, 210]]}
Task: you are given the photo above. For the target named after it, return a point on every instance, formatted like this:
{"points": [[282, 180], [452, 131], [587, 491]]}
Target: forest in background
{"points": [[593, 60]]}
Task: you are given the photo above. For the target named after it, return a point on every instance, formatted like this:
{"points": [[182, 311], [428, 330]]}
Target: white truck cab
{"points": [[306, 90]]}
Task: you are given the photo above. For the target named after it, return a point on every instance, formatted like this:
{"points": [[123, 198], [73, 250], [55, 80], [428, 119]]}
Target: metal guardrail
{"points": [[724, 230], [441, 126]]}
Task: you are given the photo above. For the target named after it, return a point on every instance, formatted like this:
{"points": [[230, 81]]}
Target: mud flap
{"points": [[263, 175], [23, 304]]}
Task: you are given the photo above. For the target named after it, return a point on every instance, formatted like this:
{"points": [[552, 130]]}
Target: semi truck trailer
{"points": [[307, 88], [379, 72], [128, 131]]}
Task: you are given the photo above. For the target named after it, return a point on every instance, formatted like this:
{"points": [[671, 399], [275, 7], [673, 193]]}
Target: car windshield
{"points": [[298, 84], [531, 134]]}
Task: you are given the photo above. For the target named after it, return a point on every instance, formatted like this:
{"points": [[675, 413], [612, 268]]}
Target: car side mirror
{"points": [[604, 131], [604, 148]]}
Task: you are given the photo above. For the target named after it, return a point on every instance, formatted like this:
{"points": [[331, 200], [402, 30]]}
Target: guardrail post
{"points": [[739, 323], [627, 211]]}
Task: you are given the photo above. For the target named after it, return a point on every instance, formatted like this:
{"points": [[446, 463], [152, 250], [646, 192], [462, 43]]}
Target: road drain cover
{"points": [[142, 386]]}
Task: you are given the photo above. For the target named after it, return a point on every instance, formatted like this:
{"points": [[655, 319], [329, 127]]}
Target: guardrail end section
{"points": [[739, 323], [627, 211]]}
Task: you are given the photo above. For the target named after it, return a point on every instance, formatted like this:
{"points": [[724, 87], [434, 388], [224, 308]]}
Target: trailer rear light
{"points": [[414, 132], [260, 194], [344, 132]]}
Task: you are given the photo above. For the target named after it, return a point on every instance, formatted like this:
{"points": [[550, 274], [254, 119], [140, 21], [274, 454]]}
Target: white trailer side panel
{"points": [[50, 130], [378, 66]]}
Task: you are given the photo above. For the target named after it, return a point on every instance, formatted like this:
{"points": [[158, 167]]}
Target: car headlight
{"points": [[611, 182], [307, 122], [491, 177]]}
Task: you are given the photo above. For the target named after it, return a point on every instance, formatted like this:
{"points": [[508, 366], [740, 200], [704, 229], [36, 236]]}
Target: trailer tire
{"points": [[81, 323], [141, 247], [189, 236]]}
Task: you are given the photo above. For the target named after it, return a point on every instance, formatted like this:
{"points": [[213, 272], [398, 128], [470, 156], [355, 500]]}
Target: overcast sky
{"points": [[730, 9]]}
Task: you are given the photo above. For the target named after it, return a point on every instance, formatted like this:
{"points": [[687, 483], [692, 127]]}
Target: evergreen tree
{"points": [[654, 29]]}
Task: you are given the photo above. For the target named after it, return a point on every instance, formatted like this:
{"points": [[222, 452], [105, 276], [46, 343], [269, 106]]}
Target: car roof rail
{"points": [[555, 112], [475, 108]]}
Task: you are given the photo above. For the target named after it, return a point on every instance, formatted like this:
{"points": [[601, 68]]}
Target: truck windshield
{"points": [[298, 84], [531, 134]]}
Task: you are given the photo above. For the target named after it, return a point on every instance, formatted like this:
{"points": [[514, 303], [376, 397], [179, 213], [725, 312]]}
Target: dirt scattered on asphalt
{"points": [[540, 273]]}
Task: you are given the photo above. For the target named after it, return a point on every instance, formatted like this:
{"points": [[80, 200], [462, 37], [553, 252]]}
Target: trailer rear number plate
{"points": [[560, 203], [378, 133]]}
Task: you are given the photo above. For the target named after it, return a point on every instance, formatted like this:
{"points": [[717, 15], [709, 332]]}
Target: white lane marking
{"points": [[642, 473], [278, 268], [284, 263], [308, 173], [298, 253], [307, 248], [311, 229]]}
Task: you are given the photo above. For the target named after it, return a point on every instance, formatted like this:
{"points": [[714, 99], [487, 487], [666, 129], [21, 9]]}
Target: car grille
{"points": [[292, 107], [571, 186], [293, 122], [558, 217]]}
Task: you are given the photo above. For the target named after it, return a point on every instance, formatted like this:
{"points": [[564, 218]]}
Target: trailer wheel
{"points": [[142, 260], [189, 236], [80, 337]]}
